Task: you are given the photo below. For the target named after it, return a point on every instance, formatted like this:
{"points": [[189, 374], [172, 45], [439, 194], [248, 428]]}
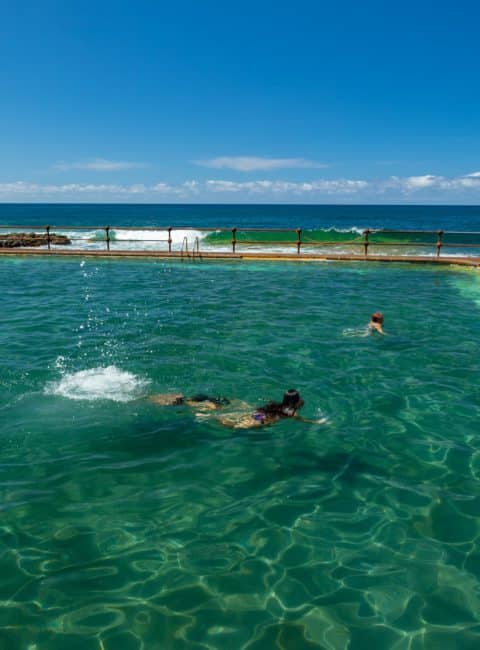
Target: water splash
{"points": [[109, 383]]}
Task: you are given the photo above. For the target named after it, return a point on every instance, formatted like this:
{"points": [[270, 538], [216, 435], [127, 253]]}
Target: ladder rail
{"points": [[184, 249]]}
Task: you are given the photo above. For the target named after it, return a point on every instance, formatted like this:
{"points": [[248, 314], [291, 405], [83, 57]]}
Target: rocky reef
{"points": [[31, 239]]}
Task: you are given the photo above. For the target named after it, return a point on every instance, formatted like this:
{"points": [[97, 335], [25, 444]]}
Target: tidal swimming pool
{"points": [[126, 525]]}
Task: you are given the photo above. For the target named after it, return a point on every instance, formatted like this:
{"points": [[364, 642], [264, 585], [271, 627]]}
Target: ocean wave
{"points": [[145, 239], [109, 383], [353, 229], [284, 237], [331, 239]]}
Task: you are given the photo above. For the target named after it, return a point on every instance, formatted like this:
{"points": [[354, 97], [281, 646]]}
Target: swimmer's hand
{"points": [[311, 421]]}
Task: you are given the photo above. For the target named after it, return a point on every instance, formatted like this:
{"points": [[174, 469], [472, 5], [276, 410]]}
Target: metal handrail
{"points": [[366, 239]]}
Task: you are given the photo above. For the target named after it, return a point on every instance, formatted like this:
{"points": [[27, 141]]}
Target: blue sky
{"points": [[206, 101]]}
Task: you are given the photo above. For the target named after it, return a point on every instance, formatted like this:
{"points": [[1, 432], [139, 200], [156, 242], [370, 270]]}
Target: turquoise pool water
{"points": [[126, 525]]}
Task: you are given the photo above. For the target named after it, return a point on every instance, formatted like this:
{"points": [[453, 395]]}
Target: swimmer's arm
{"points": [[375, 327]]}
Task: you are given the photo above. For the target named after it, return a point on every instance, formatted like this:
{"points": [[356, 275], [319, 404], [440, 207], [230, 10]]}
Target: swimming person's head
{"points": [[291, 402], [286, 408], [377, 317]]}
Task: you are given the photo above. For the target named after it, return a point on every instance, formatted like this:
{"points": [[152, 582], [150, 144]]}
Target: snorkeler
{"points": [[239, 415], [376, 323]]}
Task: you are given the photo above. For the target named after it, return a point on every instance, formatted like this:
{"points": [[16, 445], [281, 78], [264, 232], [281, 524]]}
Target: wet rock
{"points": [[31, 239]]}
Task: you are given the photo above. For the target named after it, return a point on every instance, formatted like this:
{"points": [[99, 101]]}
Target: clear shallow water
{"points": [[126, 524]]}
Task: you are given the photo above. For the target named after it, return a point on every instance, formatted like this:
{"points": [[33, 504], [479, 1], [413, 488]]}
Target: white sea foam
{"points": [[98, 383], [356, 332], [154, 239], [137, 239], [353, 229]]}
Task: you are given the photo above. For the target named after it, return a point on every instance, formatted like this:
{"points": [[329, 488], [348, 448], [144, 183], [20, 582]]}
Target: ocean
{"points": [[85, 226], [130, 525]]}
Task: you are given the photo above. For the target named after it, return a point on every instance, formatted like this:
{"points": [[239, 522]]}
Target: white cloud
{"points": [[35, 189], [427, 186], [188, 188], [345, 186], [432, 182], [223, 186], [162, 188], [99, 165], [420, 182], [192, 186], [258, 163]]}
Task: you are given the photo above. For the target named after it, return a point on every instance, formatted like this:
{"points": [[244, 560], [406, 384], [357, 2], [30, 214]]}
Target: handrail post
{"points": [[234, 239], [366, 243], [48, 236], [299, 240], [439, 242], [169, 240], [107, 231]]}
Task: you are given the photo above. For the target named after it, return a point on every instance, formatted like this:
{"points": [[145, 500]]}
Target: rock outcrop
{"points": [[31, 239]]}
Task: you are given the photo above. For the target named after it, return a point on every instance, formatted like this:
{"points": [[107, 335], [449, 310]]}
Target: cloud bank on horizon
{"points": [[409, 188]]}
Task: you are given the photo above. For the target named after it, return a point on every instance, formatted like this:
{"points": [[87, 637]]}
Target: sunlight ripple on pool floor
{"points": [[126, 525]]}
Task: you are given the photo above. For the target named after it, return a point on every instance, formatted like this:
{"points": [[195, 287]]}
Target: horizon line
{"points": [[246, 204]]}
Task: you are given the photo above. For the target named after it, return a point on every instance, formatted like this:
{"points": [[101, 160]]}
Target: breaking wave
{"points": [[328, 239]]}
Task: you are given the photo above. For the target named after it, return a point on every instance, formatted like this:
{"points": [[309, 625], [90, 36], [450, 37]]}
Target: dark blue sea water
{"points": [[261, 216]]}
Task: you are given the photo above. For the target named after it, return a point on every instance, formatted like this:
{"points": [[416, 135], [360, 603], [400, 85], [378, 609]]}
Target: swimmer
{"points": [[268, 414], [238, 415], [200, 401], [376, 323]]}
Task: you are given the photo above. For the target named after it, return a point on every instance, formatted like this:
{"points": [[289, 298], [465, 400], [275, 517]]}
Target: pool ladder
{"points": [[195, 254]]}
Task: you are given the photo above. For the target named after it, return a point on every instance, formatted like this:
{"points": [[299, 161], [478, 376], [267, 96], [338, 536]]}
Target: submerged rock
{"points": [[30, 239]]}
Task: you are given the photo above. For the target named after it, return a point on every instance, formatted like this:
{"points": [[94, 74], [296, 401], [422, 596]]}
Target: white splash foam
{"points": [[98, 383], [154, 239], [354, 229], [60, 363], [356, 332]]}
